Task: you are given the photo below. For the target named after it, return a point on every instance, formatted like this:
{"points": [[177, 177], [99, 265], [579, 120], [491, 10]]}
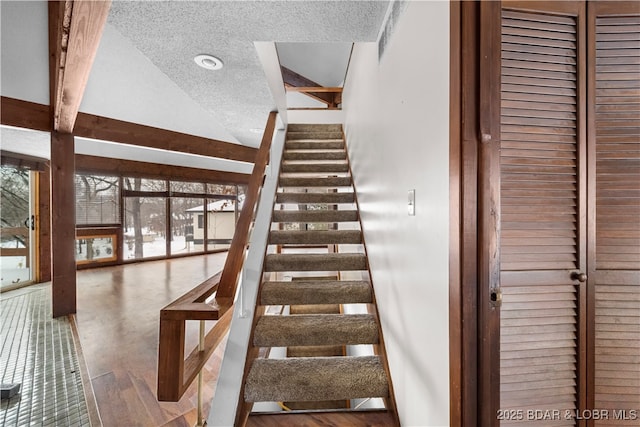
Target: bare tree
{"points": [[14, 201], [97, 202], [134, 209]]}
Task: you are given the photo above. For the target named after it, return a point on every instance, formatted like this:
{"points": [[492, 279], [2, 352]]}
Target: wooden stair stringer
{"points": [[364, 418], [302, 378]]}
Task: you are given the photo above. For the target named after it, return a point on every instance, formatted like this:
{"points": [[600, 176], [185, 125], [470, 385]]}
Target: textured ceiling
{"points": [[170, 34], [144, 70]]}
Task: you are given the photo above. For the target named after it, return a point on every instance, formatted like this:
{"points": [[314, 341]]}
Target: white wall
{"points": [[24, 50], [396, 122], [124, 84]]}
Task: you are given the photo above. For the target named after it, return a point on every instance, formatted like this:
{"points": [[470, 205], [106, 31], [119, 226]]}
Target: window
{"points": [[184, 212], [144, 228], [157, 218], [97, 199]]}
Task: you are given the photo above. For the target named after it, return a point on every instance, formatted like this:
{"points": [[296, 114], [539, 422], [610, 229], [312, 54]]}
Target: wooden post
{"points": [[63, 224], [171, 359], [43, 222]]}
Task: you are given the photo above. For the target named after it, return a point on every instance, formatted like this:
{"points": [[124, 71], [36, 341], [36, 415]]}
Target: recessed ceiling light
{"points": [[208, 62]]}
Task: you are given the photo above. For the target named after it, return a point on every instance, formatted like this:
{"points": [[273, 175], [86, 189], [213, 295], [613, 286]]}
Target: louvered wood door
{"points": [[614, 143], [543, 207]]}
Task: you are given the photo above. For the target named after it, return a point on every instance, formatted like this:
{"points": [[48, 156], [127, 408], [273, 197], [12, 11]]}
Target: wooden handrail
{"points": [[235, 258], [331, 96], [318, 89], [175, 372], [16, 232]]}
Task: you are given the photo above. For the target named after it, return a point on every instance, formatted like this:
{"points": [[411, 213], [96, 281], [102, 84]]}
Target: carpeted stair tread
{"points": [[315, 375], [315, 329], [316, 292], [314, 155], [311, 127], [314, 216], [314, 134], [301, 198], [315, 237], [315, 406], [316, 351], [315, 309], [315, 262], [347, 417], [314, 144], [314, 167], [315, 378], [329, 181]]}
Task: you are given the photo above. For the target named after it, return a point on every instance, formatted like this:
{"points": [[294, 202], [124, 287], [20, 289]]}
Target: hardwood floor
{"points": [[117, 321], [324, 419]]}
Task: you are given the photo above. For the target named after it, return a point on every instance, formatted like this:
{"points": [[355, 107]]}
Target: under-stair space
{"points": [[321, 355]]}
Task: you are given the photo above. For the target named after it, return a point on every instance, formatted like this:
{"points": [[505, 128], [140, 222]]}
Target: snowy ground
{"points": [[155, 246], [13, 270]]}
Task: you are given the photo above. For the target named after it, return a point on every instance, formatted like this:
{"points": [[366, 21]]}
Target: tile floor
{"points": [[38, 352]]}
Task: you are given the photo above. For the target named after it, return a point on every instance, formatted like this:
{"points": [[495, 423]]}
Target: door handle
{"points": [[496, 297], [30, 222], [579, 276]]}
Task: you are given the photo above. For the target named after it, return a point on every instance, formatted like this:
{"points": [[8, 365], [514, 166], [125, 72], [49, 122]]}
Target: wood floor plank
{"points": [[109, 388], [117, 322], [323, 419]]}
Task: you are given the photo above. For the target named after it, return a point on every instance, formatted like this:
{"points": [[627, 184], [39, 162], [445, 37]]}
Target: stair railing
{"points": [[334, 94], [175, 372], [225, 403]]}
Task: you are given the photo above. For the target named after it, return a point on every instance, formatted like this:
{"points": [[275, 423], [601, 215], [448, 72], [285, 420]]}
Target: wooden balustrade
{"points": [[332, 95], [175, 372], [15, 233]]}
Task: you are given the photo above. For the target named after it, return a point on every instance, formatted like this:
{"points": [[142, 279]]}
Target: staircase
{"points": [[315, 269]]}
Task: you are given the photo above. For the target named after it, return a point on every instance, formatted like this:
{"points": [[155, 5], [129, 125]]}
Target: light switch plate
{"points": [[411, 206]]}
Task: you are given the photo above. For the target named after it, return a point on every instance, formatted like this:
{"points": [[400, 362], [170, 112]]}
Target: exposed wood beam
{"points": [[75, 29], [132, 168], [59, 28], [24, 114], [293, 79], [314, 89], [96, 127], [29, 115], [63, 225]]}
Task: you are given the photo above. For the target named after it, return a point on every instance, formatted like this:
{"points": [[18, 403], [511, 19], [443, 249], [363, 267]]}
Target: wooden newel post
{"points": [[170, 383]]}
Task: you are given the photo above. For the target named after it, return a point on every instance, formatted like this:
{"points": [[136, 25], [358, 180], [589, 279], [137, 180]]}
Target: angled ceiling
{"points": [[144, 70], [324, 63], [171, 34]]}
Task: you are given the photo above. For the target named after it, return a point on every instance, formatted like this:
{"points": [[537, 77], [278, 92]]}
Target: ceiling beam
{"points": [[24, 114], [106, 129], [75, 29], [29, 115], [133, 168], [315, 89], [293, 79]]}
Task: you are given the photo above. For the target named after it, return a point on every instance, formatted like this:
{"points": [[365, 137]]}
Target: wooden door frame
{"points": [[474, 266], [464, 207]]}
